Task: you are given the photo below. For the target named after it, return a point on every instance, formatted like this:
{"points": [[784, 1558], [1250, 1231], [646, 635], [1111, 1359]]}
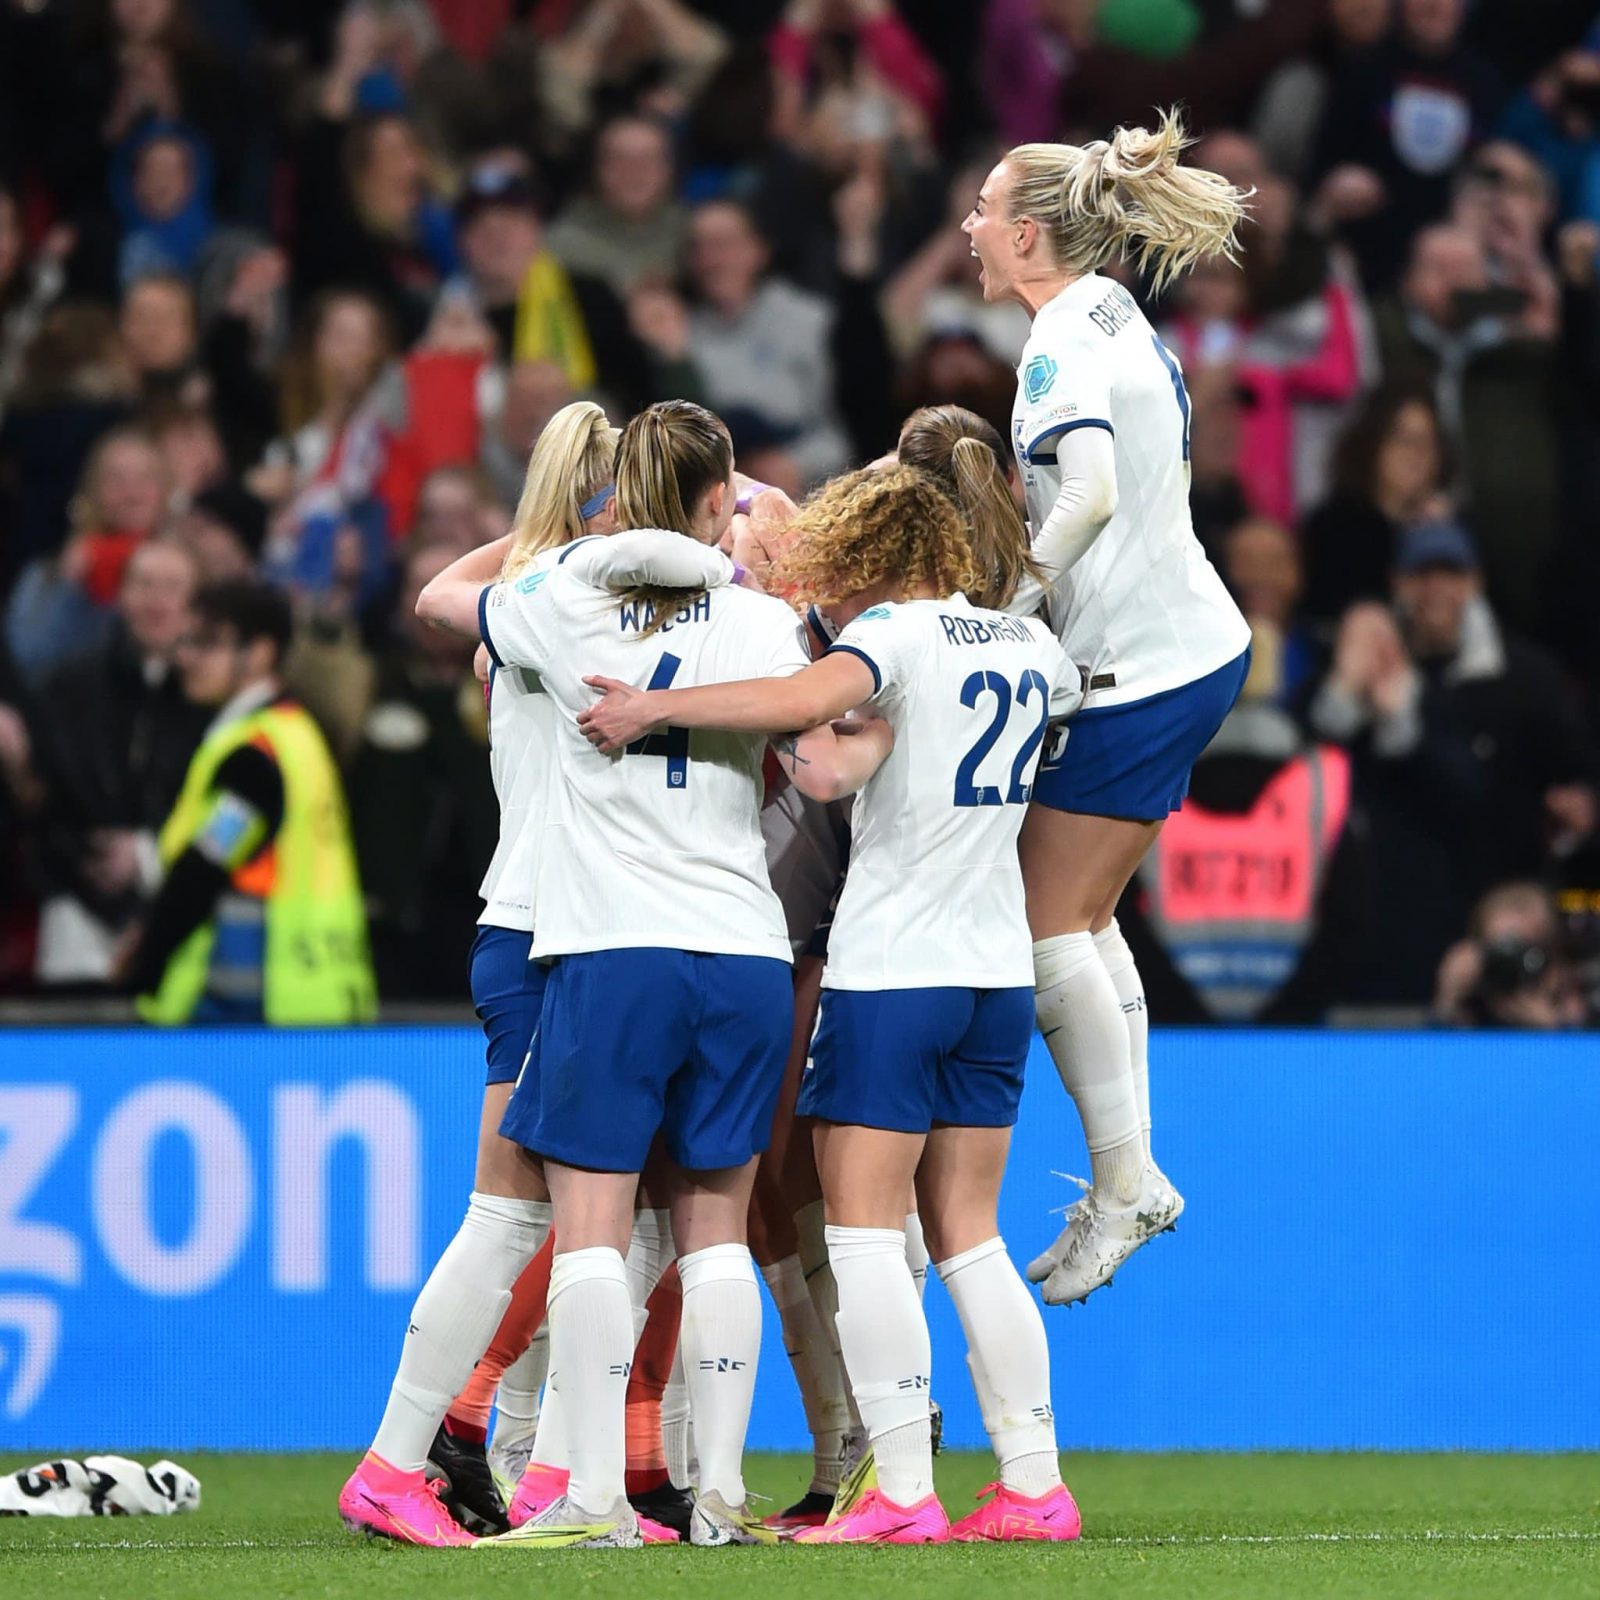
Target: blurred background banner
{"points": [[211, 1240]]}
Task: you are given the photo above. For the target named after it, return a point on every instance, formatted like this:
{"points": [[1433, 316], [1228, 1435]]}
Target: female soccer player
{"points": [[1101, 432], [969, 460], [567, 494], [668, 1007], [927, 1009]]}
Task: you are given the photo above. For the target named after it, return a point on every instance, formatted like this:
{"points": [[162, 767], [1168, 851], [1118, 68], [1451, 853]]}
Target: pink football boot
{"points": [[386, 1503], [1009, 1515], [541, 1486], [875, 1519]]}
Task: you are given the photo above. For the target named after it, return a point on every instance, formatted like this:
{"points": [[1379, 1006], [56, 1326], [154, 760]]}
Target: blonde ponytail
{"points": [[669, 455], [572, 459], [966, 457], [1102, 201]]}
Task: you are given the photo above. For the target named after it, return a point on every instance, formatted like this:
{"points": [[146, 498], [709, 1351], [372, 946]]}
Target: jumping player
{"points": [[1101, 433]]}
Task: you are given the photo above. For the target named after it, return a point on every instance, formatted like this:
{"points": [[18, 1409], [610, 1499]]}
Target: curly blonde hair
{"points": [[866, 528]]}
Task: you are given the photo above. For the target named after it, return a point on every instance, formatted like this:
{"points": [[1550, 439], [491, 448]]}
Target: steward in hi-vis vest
{"points": [[1241, 897], [259, 917]]}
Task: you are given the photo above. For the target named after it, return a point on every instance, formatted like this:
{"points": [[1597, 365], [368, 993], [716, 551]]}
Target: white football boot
{"points": [[564, 1525], [1099, 1237], [508, 1460], [715, 1522]]}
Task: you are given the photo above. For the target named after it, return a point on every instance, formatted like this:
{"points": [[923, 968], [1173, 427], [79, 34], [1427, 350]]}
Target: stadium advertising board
{"points": [[211, 1240]]}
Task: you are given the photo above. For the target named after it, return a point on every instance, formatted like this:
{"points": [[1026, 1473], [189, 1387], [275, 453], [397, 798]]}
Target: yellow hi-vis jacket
{"points": [[316, 967]]}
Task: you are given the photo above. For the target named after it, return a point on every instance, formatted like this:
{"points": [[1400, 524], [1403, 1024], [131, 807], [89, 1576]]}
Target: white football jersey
{"points": [[522, 719], [933, 897], [521, 727], [1143, 611], [659, 847]]}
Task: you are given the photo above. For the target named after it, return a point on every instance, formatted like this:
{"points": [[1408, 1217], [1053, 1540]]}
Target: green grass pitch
{"points": [[1240, 1527]]}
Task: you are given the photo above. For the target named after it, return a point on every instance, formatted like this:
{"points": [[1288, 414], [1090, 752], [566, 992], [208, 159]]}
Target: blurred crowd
{"points": [[289, 289]]}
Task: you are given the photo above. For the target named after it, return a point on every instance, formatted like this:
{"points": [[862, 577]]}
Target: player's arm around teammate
{"points": [[1101, 434], [927, 1005], [487, 1291], [668, 1005]]}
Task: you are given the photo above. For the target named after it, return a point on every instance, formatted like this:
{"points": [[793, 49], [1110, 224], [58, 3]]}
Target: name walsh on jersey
{"points": [[637, 615]]}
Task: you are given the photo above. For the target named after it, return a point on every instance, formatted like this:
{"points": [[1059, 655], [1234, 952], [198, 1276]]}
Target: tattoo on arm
{"points": [[789, 746]]}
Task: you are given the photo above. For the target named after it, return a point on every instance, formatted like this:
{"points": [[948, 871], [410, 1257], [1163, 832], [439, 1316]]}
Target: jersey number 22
{"points": [[969, 791]]}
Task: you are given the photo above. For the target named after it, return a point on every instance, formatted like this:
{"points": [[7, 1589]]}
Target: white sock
{"points": [[917, 1254], [1119, 962], [887, 1354], [1080, 1018], [516, 1401], [677, 1436], [454, 1318], [1010, 1363], [591, 1355], [650, 1253], [816, 1369], [550, 1436], [721, 1342], [812, 1233]]}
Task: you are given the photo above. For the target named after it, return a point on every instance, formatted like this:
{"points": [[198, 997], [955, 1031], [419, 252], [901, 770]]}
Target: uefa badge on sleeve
{"points": [[1038, 377]]}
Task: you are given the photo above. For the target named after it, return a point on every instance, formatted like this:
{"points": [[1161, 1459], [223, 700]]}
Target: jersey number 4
{"points": [[968, 790], [673, 743]]}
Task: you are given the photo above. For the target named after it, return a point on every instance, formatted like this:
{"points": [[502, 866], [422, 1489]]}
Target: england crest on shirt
{"points": [[1430, 126]]}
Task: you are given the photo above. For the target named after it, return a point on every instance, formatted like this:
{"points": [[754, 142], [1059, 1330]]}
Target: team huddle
{"points": [[797, 847]]}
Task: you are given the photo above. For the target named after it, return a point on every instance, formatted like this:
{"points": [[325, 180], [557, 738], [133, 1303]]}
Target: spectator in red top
{"points": [[72, 384], [62, 604], [123, 501]]}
